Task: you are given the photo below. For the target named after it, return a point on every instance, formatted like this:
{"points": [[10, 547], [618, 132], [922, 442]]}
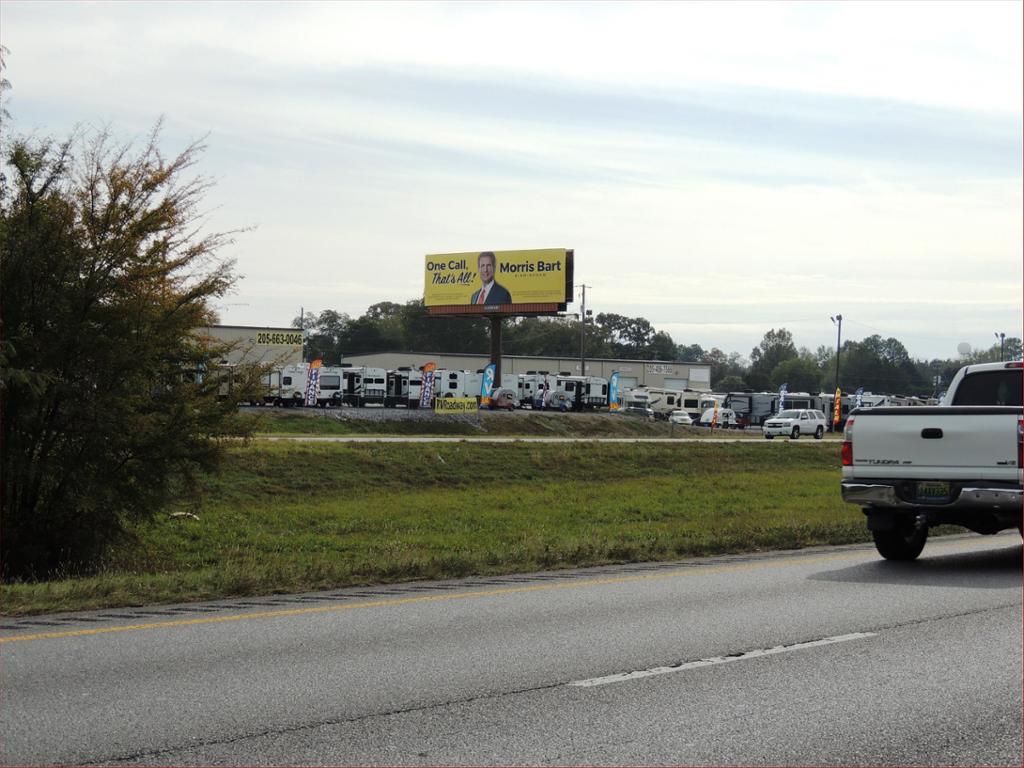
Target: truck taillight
{"points": [[847, 451]]}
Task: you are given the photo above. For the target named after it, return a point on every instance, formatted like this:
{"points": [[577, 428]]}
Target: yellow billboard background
{"points": [[530, 277], [456, 405]]}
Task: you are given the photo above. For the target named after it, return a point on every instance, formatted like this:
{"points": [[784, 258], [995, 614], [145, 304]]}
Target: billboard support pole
{"points": [[496, 347]]}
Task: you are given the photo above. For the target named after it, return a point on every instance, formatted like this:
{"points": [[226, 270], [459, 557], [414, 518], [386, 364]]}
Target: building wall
{"points": [[649, 373], [279, 346]]}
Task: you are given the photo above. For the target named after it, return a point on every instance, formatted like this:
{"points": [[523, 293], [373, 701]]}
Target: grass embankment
{"points": [[294, 517], [345, 421]]}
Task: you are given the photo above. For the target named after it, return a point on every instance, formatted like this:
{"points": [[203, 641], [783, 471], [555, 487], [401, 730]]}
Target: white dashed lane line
{"points": [[714, 660]]}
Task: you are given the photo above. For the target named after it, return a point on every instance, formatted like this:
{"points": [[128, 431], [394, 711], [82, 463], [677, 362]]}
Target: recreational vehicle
{"points": [[363, 385], [403, 388], [752, 408], [583, 392]]}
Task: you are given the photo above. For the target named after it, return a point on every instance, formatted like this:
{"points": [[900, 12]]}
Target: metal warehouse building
{"points": [[278, 346]]}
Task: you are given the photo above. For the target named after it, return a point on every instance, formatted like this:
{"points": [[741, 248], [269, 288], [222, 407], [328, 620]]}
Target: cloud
{"points": [[720, 168]]}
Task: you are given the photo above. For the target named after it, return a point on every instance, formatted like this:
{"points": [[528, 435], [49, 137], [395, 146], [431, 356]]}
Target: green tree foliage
{"points": [[726, 370], [634, 338], [692, 353], [880, 365], [799, 374], [1011, 350], [109, 393], [5, 85], [389, 327], [545, 336], [325, 333], [426, 333], [776, 347]]}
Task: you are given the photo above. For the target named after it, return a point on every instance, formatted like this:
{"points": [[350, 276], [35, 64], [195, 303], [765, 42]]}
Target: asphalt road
{"points": [[825, 656]]}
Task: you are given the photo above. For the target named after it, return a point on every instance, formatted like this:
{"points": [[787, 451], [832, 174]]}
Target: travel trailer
{"points": [[403, 388], [364, 386]]}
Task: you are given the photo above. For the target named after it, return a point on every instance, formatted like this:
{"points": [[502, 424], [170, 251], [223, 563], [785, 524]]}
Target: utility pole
{"points": [[1002, 342], [583, 330], [838, 322]]}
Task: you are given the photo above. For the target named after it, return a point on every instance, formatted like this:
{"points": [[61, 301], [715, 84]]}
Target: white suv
{"points": [[795, 422]]}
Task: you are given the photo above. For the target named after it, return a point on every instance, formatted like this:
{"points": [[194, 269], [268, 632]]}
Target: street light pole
{"points": [[583, 330], [1002, 342], [838, 322]]}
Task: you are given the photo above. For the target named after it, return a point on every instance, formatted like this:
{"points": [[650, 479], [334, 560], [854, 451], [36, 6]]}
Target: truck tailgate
{"points": [[978, 442]]}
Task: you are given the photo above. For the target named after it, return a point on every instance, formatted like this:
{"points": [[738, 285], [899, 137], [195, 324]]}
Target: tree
{"points": [[693, 353], [660, 347], [775, 347], [109, 388], [724, 367], [799, 374], [866, 364], [324, 335], [548, 336], [635, 338], [444, 333], [1010, 348], [731, 384]]}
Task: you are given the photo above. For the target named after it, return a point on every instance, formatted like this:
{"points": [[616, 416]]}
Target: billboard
{"points": [[506, 282]]}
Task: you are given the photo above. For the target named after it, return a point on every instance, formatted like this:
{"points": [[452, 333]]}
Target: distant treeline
{"points": [[874, 363]]}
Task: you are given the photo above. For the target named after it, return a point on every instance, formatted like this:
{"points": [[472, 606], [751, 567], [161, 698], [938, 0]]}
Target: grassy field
{"points": [[286, 517]]}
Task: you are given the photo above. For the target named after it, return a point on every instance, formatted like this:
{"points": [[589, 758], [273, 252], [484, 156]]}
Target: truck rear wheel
{"points": [[904, 542]]}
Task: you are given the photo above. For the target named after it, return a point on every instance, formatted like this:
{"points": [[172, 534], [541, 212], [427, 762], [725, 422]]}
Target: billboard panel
{"points": [[499, 281]]}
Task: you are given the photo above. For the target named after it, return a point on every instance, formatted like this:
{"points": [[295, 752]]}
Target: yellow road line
{"points": [[684, 571]]}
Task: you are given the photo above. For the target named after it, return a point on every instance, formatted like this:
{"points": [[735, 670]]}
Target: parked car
{"points": [[726, 418], [680, 417], [794, 422]]}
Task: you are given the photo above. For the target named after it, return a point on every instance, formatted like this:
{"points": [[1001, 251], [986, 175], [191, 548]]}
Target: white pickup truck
{"points": [[958, 463]]}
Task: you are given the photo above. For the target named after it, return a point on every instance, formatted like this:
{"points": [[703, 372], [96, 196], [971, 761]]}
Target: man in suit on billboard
{"points": [[490, 292]]}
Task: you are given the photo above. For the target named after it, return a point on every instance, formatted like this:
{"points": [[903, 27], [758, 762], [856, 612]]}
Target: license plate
{"points": [[933, 490]]}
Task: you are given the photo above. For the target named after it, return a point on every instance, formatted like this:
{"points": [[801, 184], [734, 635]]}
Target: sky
{"points": [[719, 168]]}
